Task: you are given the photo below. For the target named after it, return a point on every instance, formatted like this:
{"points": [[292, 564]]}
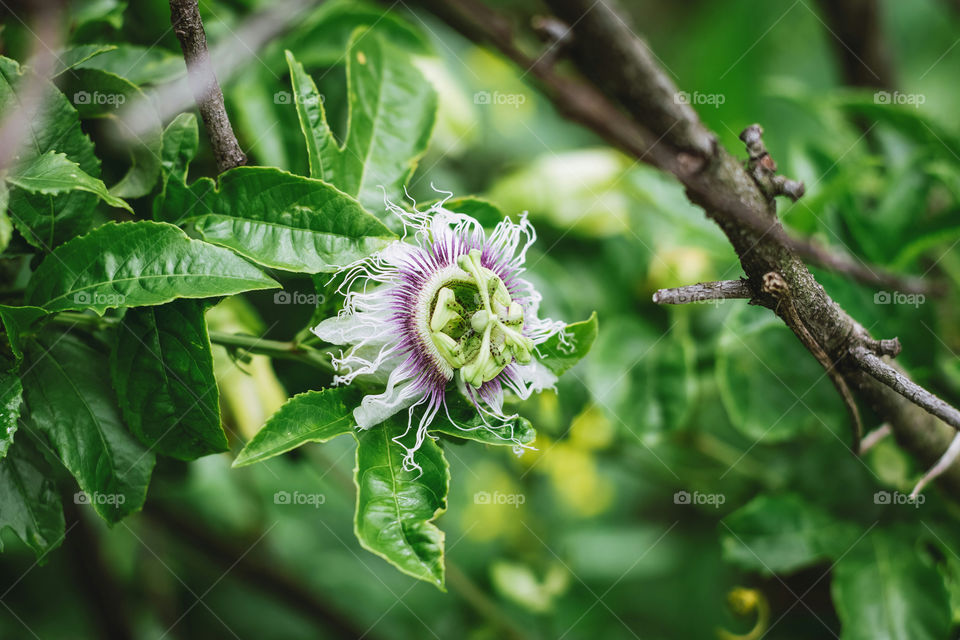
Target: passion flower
{"points": [[443, 310]]}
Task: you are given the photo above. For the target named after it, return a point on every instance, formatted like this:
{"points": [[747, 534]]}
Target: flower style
{"points": [[445, 311]]}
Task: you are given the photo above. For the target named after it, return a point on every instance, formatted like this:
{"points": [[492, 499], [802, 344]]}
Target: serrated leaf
{"points": [[468, 424], [29, 500], [278, 219], [780, 534], [392, 109], [396, 508], [883, 589], [69, 399], [314, 416], [102, 94], [11, 397], [44, 220], [53, 173], [136, 264], [560, 352], [162, 370]]}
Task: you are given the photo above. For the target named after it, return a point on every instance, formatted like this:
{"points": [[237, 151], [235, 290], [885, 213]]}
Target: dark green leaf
{"points": [[44, 220], [69, 399], [314, 416], [138, 264], [52, 174], [560, 352], [780, 534], [772, 399], [163, 372], [29, 500], [396, 508], [16, 321], [278, 219], [884, 589]]}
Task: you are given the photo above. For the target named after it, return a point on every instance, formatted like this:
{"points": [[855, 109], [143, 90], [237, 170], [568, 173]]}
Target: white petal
{"points": [[399, 394]]}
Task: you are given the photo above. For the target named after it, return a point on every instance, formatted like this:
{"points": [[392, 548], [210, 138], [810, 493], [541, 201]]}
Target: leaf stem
{"points": [[287, 350]]}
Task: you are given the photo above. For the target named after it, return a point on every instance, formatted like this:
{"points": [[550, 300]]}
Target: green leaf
{"points": [[44, 220], [139, 65], [396, 508], [485, 212], [162, 370], [102, 94], [772, 399], [560, 352], [279, 220], [780, 534], [6, 227], [52, 174], [392, 109], [16, 321], [138, 264], [11, 397], [29, 500], [468, 424], [74, 56], [884, 589], [69, 399], [314, 416], [322, 38], [181, 140]]}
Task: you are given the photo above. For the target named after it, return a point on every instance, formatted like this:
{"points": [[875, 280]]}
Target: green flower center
{"points": [[475, 325]]}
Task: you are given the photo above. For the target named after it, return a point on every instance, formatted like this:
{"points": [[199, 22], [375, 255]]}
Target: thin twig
{"points": [[890, 376], [871, 439], [704, 292], [944, 463], [185, 17]]}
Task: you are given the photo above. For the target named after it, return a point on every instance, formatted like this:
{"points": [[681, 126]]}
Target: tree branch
{"points": [[185, 17], [856, 34], [704, 292], [899, 382]]}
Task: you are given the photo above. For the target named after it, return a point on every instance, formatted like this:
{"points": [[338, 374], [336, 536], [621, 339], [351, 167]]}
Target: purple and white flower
{"points": [[443, 310]]}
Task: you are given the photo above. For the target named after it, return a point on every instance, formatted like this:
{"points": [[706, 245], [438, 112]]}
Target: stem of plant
{"points": [[249, 343]]}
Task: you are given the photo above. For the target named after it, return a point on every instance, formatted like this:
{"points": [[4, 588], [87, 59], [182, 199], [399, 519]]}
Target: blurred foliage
{"points": [[698, 453]]}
